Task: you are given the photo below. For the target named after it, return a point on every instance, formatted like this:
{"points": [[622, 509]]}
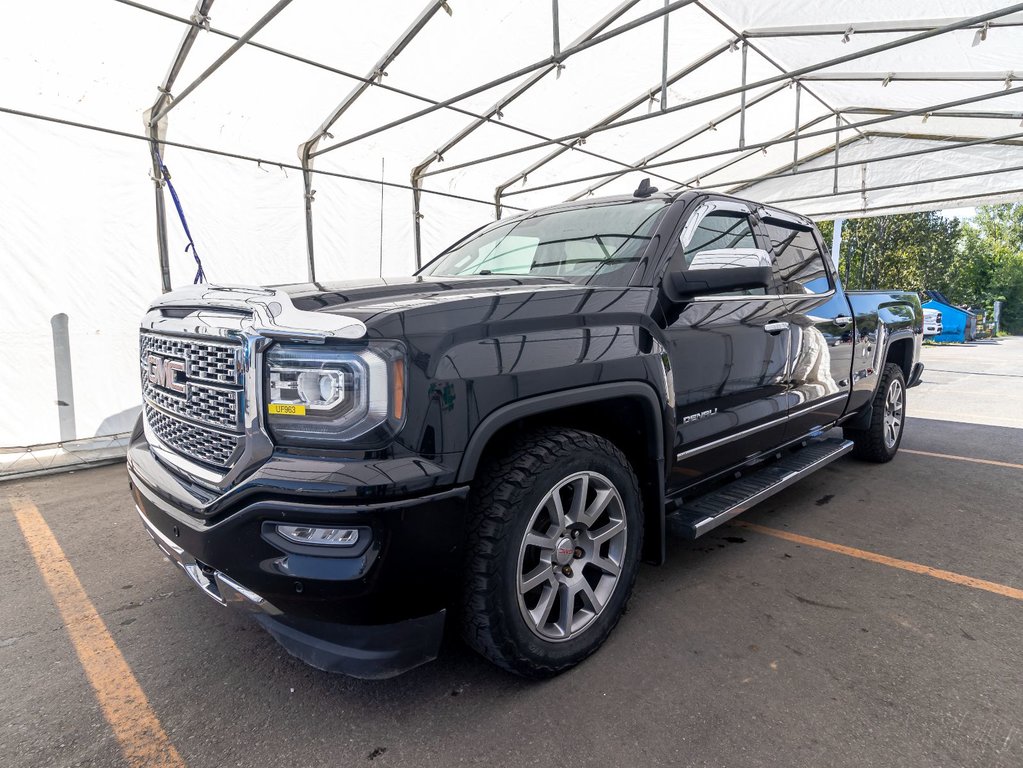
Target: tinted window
{"points": [[798, 263], [596, 245], [718, 230]]}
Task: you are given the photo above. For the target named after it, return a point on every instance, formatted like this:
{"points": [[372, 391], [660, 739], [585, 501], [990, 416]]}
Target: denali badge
{"points": [[698, 416], [164, 372]]}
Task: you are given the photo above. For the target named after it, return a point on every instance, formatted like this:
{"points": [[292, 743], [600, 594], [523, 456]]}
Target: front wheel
{"points": [[555, 535], [880, 441]]}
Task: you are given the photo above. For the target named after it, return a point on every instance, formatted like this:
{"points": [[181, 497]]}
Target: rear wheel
{"points": [[880, 441], [554, 540]]}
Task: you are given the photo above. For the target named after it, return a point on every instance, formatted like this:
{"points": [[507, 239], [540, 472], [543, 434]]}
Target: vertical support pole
{"points": [[838, 125], [162, 248], [307, 182], [742, 99], [557, 28], [497, 203], [863, 185], [664, 63], [795, 131], [380, 271], [836, 242], [65, 383], [416, 218]]}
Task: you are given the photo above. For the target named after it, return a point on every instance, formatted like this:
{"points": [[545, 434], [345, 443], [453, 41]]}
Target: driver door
{"points": [[729, 355]]}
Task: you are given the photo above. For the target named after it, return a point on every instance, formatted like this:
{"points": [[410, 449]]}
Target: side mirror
{"points": [[723, 270]]}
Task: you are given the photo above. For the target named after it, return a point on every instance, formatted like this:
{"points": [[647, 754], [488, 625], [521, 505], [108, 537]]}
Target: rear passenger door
{"points": [[729, 355], [822, 331]]}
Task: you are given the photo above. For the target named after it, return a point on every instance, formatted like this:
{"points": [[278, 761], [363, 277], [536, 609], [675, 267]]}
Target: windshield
{"points": [[597, 245]]}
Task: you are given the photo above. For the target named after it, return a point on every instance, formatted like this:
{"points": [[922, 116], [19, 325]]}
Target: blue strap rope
{"points": [[200, 276]]}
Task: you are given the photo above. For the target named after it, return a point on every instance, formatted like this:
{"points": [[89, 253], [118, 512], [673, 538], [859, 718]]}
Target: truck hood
{"points": [[481, 307]]}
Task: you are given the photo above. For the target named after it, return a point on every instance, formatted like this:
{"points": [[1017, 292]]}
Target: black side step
{"points": [[708, 512]]}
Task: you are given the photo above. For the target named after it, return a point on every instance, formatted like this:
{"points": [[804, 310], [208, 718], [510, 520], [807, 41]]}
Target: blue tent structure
{"points": [[957, 324]]}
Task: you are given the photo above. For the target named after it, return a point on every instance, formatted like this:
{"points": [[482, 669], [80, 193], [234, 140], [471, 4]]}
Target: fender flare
{"points": [[654, 544], [532, 406]]}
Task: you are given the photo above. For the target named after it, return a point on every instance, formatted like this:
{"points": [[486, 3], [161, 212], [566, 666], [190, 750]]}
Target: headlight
{"points": [[332, 394]]}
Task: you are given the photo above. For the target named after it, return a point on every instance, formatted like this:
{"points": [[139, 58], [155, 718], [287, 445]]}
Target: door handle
{"points": [[842, 320], [774, 328]]}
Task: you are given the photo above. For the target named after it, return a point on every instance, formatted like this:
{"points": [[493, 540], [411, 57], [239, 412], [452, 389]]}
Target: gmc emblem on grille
{"points": [[166, 372]]}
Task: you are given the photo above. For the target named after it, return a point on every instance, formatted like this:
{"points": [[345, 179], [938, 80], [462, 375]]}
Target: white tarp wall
{"points": [[77, 218]]}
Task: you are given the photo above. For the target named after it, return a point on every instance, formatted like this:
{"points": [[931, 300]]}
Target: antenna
{"points": [[644, 189]]}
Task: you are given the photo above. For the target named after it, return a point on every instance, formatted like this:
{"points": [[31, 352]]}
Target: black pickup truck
{"points": [[497, 442]]}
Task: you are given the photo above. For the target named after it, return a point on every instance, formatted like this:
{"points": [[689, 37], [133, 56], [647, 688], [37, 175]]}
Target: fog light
{"points": [[311, 534]]}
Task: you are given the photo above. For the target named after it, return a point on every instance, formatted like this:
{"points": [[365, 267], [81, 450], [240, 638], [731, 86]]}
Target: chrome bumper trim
{"points": [[221, 588]]}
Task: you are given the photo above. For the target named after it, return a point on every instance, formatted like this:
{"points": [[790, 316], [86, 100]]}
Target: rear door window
{"points": [[798, 263]]}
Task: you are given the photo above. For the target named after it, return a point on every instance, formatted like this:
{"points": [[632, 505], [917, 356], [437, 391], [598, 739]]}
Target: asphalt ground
{"points": [[747, 648]]}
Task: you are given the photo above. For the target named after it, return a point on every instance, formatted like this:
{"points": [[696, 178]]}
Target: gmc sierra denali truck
{"points": [[495, 443]]}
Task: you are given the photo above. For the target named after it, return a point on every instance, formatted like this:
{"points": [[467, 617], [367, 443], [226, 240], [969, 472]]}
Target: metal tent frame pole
{"points": [[865, 28], [713, 125], [417, 173], [785, 76], [737, 185], [620, 112], [902, 184], [895, 115], [265, 19], [307, 150], [565, 54], [156, 128]]}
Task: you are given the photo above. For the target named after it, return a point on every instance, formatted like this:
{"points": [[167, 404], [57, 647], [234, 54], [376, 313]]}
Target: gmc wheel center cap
{"points": [[564, 550]]}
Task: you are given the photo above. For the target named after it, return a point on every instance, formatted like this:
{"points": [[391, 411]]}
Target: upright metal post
{"points": [[307, 181], [742, 98], [308, 149], [795, 132], [557, 28], [838, 142], [420, 171], [417, 194], [664, 63], [156, 129]]}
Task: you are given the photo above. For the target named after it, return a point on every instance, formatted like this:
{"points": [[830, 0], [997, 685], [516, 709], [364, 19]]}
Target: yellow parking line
{"points": [[124, 705], [964, 458], [905, 565]]}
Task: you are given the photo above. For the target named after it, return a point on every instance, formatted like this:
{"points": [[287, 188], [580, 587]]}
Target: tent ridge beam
{"points": [[222, 59], [785, 76]]}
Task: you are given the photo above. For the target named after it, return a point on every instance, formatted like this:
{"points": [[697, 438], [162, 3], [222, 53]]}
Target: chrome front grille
{"points": [[206, 445], [199, 414], [206, 360]]}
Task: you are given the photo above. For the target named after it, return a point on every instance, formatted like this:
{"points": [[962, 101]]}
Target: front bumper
{"points": [[374, 611]]}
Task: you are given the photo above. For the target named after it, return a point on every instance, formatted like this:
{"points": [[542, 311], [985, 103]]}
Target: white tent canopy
{"points": [[316, 139]]}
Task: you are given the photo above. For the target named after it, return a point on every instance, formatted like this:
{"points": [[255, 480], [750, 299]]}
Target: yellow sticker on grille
{"points": [[286, 409]]}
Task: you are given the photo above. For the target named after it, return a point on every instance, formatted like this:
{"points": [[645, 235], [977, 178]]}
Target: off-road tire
{"points": [[870, 444], [502, 502]]}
